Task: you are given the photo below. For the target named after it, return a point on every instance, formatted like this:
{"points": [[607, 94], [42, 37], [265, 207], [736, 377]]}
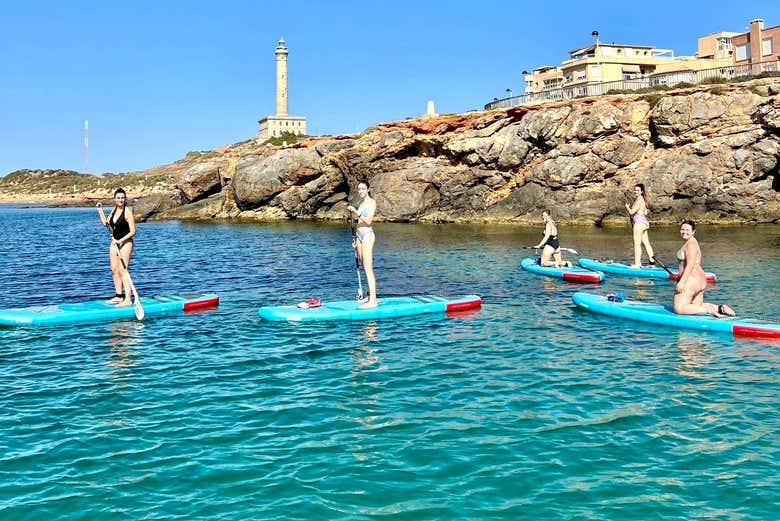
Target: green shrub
{"points": [[286, 137], [201, 154], [652, 99], [714, 80]]}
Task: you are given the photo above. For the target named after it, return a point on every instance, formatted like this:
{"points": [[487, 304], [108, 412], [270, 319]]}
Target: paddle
{"points": [[137, 306], [570, 250], [359, 293], [658, 261], [630, 217]]}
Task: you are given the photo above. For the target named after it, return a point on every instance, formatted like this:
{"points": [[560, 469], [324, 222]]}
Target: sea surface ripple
{"points": [[527, 408]]}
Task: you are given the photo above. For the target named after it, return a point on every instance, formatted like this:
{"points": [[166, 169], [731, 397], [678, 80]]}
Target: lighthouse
{"points": [[281, 122]]}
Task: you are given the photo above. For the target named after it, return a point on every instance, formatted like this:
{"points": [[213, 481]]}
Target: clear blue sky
{"points": [[159, 79]]}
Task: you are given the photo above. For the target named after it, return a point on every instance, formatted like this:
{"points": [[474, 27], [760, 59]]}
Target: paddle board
{"points": [[664, 315], [99, 310], [388, 307], [573, 274], [617, 268]]}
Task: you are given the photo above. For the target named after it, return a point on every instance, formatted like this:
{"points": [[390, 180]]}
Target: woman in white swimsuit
{"points": [[364, 244]]}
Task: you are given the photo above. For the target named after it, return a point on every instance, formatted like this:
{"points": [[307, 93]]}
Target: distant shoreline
{"points": [[54, 201]]}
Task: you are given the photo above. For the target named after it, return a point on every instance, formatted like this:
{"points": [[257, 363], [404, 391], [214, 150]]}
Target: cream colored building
{"points": [[716, 46], [543, 78], [281, 122], [610, 62], [599, 63]]}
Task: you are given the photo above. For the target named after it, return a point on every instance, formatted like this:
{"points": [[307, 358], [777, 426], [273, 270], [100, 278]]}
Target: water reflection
{"points": [[365, 354], [694, 355], [122, 341]]}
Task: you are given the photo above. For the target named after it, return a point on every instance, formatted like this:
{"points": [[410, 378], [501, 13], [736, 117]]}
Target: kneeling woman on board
{"points": [[689, 292], [364, 243], [122, 224], [551, 247]]}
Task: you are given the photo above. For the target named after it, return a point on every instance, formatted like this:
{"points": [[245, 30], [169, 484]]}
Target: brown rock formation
{"points": [[712, 152]]}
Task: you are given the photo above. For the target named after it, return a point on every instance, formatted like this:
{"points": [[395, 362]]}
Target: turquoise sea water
{"points": [[526, 409]]}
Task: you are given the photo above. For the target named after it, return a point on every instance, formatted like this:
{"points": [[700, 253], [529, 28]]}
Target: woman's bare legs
{"points": [[638, 230], [366, 248], [119, 273], [686, 303], [546, 256], [648, 248]]}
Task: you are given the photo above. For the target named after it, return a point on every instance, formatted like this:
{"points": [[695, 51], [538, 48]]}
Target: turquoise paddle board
{"points": [[665, 316], [99, 310], [573, 274], [388, 307], [617, 268]]}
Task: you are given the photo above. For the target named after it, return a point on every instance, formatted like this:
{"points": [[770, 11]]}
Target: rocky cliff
{"points": [[709, 152]]}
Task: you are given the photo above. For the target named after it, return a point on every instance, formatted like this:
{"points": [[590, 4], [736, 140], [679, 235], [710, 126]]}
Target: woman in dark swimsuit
{"points": [[122, 224], [551, 247]]}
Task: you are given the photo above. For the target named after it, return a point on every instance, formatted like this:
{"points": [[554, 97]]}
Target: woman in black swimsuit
{"points": [[551, 247], [122, 224]]}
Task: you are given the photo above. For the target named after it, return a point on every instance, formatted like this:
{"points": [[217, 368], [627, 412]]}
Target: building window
{"points": [[766, 47], [743, 51]]}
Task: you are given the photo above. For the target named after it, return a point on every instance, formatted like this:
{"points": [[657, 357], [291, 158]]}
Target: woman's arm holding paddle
{"points": [[102, 215], [634, 208], [547, 234]]}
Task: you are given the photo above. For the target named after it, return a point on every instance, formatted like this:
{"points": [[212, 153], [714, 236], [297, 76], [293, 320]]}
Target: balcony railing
{"points": [[669, 79]]}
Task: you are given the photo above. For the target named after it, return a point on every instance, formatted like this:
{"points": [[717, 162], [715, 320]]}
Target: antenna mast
{"points": [[86, 146]]}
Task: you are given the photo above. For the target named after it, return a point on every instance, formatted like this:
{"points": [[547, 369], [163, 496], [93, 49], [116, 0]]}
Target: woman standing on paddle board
{"points": [[364, 243], [551, 246], [689, 292], [122, 224], [639, 226]]}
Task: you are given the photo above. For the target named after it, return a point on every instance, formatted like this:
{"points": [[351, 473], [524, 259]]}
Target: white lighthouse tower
{"points": [[276, 125]]}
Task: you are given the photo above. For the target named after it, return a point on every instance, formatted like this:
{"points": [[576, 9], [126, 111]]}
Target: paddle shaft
{"points": [[660, 263], [570, 250], [630, 216]]}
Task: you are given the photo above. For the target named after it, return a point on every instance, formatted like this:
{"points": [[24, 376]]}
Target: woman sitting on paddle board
{"points": [[551, 247], [365, 239], [689, 292], [122, 224], [639, 226]]}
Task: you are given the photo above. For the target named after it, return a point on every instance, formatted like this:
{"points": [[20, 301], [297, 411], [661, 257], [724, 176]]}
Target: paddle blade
{"points": [[139, 309]]}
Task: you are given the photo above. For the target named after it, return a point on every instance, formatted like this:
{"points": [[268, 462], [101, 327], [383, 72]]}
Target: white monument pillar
{"points": [[281, 78]]}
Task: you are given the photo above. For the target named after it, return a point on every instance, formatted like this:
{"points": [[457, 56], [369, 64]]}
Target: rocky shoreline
{"points": [[711, 153]]}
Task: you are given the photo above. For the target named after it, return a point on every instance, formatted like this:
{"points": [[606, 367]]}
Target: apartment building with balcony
{"points": [[543, 79], [612, 62], [759, 45], [716, 46], [601, 68]]}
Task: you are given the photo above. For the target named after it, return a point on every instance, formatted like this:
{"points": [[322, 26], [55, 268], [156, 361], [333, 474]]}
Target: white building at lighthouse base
{"points": [[274, 126]]}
